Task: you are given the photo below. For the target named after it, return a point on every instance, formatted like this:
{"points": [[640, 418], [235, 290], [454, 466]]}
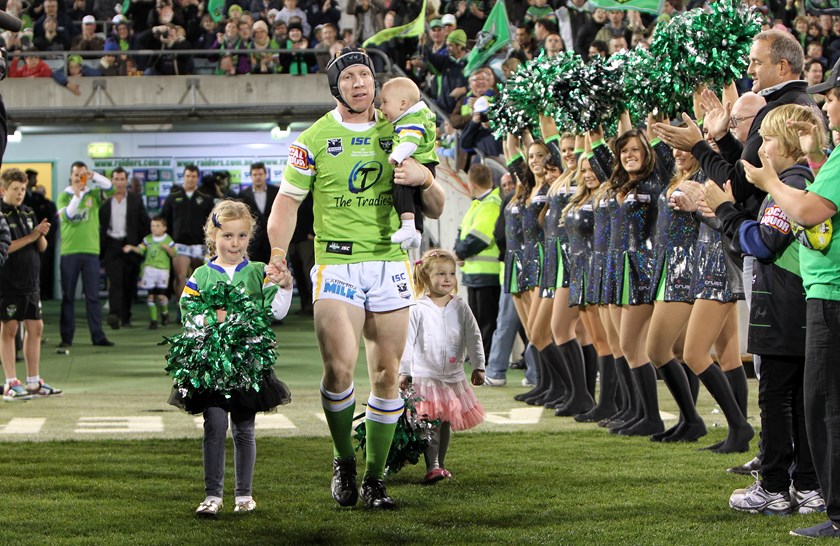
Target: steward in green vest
{"points": [[478, 254]]}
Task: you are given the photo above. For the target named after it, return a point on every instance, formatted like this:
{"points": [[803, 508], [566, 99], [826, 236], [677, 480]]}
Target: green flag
{"points": [[494, 36], [408, 30], [648, 6], [216, 9]]}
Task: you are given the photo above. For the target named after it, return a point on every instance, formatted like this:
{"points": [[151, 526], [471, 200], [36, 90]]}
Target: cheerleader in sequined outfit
{"points": [[674, 246], [600, 284], [717, 285], [566, 347], [442, 332], [579, 220], [637, 179]]}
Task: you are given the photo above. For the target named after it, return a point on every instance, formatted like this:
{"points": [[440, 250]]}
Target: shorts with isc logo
{"points": [[20, 307], [375, 286], [155, 279], [196, 252]]}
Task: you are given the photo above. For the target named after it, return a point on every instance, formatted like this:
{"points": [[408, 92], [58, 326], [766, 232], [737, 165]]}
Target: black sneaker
{"points": [[374, 494], [104, 342], [344, 482], [164, 319], [518, 365], [153, 325], [65, 344]]}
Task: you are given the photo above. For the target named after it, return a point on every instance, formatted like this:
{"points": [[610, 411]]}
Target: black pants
{"points": [[409, 199], [302, 259], [822, 398], [123, 271], [787, 454], [484, 303]]}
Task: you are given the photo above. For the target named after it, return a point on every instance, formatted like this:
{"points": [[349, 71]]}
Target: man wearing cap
{"points": [[361, 281], [452, 84], [88, 40]]}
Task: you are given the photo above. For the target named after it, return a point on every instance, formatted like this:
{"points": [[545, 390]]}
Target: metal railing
{"points": [[56, 57]]}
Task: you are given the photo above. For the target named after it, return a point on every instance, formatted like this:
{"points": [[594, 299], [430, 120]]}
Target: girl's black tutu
{"points": [[272, 393]]}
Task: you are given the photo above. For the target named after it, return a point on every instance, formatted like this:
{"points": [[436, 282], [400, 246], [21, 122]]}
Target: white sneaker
{"points": [[210, 508], [807, 502], [245, 506], [493, 382], [757, 500], [526, 383]]}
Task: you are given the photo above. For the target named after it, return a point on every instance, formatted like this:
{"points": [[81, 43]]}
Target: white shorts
{"points": [[154, 278], [192, 251], [375, 286]]}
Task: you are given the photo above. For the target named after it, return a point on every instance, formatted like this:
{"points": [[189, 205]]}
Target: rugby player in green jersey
{"points": [[361, 280]]}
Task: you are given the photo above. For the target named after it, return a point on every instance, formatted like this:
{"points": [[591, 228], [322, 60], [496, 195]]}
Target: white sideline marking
{"points": [[321, 417], [516, 416], [275, 421], [23, 425], [665, 416], [119, 424]]}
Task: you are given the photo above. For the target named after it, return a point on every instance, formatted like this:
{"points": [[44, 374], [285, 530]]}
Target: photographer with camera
{"points": [[166, 38]]}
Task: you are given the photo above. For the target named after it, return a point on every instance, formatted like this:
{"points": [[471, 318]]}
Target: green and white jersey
{"points": [[153, 253], [346, 168], [416, 126], [80, 233]]}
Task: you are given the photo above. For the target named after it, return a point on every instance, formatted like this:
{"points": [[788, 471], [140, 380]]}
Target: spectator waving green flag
{"points": [[409, 30], [648, 6], [216, 9], [494, 36]]}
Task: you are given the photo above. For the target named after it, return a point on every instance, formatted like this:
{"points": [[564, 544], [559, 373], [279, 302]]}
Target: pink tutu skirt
{"points": [[453, 402]]}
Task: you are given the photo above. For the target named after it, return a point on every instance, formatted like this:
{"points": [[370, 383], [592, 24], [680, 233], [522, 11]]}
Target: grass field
{"points": [[111, 463]]}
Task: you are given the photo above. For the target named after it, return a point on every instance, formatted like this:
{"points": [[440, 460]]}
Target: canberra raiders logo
{"points": [[11, 310], [486, 38]]}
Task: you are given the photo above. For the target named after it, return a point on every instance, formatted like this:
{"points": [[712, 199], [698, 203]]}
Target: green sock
{"points": [[378, 439], [339, 409], [153, 314], [380, 423]]}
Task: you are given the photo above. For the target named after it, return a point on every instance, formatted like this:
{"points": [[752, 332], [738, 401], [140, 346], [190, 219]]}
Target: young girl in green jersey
{"points": [[228, 231]]}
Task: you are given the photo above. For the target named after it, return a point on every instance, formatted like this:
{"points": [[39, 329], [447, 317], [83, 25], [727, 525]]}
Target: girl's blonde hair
{"points": [[226, 210], [423, 268], [775, 124], [582, 194]]}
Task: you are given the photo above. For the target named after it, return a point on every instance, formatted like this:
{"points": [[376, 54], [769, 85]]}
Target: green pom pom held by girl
{"points": [[222, 363], [442, 331]]}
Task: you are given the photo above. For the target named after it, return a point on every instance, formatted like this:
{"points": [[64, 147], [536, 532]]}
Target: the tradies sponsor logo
{"points": [[334, 146], [340, 247], [364, 175]]}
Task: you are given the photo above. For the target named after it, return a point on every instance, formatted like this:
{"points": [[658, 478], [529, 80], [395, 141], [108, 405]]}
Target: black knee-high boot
{"points": [[628, 410], [737, 379], [693, 382], [535, 356], [690, 426], [740, 431], [580, 400], [554, 384], [559, 368], [651, 422], [590, 362], [607, 398]]}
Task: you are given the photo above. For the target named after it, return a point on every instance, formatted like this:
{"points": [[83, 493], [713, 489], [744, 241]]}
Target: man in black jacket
{"points": [[123, 220], [259, 198]]}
